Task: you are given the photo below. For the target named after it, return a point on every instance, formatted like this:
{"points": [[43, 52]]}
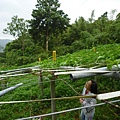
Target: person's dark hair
{"points": [[93, 87]]}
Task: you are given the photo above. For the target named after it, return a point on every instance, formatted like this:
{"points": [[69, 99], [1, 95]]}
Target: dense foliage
{"points": [[31, 43], [47, 21], [100, 56]]}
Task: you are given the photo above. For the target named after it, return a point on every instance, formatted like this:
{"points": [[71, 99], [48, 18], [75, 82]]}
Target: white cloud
{"points": [[10, 8], [74, 9], [78, 8]]}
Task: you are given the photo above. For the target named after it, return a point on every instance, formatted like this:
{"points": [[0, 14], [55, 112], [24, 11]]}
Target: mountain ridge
{"points": [[3, 43]]}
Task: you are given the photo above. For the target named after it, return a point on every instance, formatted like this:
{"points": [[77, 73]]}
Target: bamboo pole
{"points": [[40, 80], [42, 100], [53, 102], [103, 96]]}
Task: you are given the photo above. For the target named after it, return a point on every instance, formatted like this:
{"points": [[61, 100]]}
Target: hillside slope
{"points": [[103, 55]]}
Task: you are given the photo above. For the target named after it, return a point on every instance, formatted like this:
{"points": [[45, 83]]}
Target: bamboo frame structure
{"points": [[64, 111], [78, 72]]}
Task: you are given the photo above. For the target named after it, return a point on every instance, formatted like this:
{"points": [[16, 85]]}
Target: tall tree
{"points": [[114, 29], [91, 19], [118, 17], [18, 28], [75, 30], [102, 22], [47, 20]]}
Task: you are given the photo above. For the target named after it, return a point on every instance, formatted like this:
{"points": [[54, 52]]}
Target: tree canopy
{"points": [[47, 20], [17, 27]]}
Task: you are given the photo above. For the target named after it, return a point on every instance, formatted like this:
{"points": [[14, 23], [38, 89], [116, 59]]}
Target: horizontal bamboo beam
{"points": [[103, 96], [43, 100], [64, 111]]}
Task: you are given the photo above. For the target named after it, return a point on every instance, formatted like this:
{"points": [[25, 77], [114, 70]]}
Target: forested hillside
{"points": [[38, 37], [91, 43]]}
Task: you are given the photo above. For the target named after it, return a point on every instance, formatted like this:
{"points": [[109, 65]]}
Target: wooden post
{"points": [[40, 80], [53, 102]]}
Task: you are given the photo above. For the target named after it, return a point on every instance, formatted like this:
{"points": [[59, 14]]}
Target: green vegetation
{"points": [[92, 43], [38, 37], [103, 56]]}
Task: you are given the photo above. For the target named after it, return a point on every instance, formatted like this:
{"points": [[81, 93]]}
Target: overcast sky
{"points": [[74, 9]]}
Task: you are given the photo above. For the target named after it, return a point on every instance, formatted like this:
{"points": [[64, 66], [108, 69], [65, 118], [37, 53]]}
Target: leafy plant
{"points": [[104, 56]]}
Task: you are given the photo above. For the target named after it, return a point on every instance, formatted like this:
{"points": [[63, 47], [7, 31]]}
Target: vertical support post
{"points": [[53, 102], [40, 80], [3, 84]]}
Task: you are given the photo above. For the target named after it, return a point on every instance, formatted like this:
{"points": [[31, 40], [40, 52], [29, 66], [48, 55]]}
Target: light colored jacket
{"points": [[89, 101]]}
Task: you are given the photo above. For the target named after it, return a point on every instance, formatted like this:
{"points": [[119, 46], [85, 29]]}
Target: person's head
{"points": [[91, 86]]}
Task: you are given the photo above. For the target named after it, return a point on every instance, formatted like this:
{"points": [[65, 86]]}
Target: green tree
{"points": [[18, 28], [91, 19], [47, 21], [74, 31], [100, 28], [118, 17], [114, 29], [102, 22]]}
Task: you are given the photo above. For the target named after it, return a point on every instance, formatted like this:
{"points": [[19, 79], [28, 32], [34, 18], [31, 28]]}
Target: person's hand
{"points": [[81, 100]]}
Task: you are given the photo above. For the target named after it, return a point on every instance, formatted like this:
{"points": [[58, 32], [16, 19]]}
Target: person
{"points": [[90, 88]]}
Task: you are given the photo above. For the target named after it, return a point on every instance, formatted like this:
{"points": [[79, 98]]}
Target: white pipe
{"points": [[75, 76], [83, 72], [14, 75], [10, 89], [109, 95], [114, 72], [21, 69]]}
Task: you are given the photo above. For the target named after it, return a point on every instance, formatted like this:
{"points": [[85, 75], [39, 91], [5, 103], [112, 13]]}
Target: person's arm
{"points": [[92, 101]]}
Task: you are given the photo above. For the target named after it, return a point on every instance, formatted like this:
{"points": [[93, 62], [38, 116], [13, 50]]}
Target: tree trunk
{"points": [[47, 40], [46, 43], [23, 46], [22, 49]]}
